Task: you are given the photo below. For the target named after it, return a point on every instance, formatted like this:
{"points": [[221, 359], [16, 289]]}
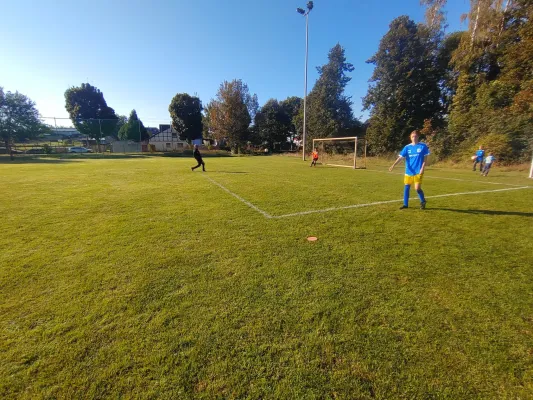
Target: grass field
{"points": [[136, 278]]}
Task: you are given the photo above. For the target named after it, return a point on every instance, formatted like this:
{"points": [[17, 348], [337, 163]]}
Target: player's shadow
{"points": [[486, 212]]}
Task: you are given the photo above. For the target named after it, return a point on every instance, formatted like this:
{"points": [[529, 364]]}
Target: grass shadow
{"points": [[34, 160], [60, 158], [107, 156], [485, 212]]}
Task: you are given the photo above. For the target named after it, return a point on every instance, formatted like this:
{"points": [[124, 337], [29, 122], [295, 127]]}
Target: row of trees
{"points": [[461, 89], [234, 115], [92, 117]]}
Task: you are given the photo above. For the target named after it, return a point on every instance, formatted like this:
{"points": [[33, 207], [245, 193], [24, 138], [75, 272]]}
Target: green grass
{"points": [[136, 278]]}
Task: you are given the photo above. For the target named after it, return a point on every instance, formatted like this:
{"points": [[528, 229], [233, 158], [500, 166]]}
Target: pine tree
{"points": [[405, 86], [134, 129], [328, 108]]}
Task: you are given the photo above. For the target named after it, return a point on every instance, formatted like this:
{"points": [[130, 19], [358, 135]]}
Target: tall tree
{"points": [[435, 17], [292, 106], [89, 111], [133, 129], [329, 109], [231, 113], [206, 124], [272, 123], [404, 89], [186, 114], [449, 76], [121, 121], [19, 118]]}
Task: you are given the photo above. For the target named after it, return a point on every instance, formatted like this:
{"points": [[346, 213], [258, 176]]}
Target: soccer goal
{"points": [[348, 152]]}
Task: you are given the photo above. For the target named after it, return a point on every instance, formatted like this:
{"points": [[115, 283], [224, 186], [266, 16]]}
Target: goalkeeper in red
{"points": [[415, 155], [315, 158]]}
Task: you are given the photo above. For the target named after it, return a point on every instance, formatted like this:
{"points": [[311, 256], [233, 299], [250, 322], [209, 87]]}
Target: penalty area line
{"points": [[392, 201], [253, 207]]}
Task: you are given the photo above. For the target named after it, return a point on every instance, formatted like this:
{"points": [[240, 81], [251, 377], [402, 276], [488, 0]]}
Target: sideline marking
{"points": [[324, 210]]}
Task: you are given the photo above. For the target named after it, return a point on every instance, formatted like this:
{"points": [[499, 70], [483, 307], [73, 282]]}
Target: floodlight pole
{"points": [[305, 79], [306, 15]]}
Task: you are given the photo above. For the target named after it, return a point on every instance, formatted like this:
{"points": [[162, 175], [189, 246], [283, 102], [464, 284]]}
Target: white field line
{"points": [[268, 216], [264, 213], [341, 166], [448, 179], [392, 201]]}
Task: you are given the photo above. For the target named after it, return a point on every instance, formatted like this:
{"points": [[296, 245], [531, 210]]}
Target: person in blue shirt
{"points": [[488, 163], [415, 155], [478, 158]]}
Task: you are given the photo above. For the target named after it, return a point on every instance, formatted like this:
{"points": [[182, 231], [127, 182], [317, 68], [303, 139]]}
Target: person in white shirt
{"points": [[488, 163]]}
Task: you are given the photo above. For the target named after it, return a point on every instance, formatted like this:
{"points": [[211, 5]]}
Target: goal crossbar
{"points": [[336, 138]]}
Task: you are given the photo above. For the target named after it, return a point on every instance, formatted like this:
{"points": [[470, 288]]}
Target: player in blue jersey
{"points": [[478, 159], [415, 155]]}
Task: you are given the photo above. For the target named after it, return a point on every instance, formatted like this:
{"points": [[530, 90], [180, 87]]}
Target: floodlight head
{"points": [[310, 5], [301, 11]]}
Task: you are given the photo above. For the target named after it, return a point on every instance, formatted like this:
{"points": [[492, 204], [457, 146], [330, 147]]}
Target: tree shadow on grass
{"points": [[107, 156], [486, 212], [34, 160], [58, 159]]}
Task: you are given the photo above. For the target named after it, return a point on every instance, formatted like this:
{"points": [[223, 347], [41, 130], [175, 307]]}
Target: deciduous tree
{"points": [[272, 123], [231, 113], [89, 111], [19, 119], [186, 114]]}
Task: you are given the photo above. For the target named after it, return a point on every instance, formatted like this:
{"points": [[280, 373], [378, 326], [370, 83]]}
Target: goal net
{"points": [[348, 152]]}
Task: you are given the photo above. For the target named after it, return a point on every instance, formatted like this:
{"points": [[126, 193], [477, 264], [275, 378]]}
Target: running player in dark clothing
{"points": [[198, 158]]}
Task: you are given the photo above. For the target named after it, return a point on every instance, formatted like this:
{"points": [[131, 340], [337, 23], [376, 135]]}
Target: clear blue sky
{"points": [[141, 53]]}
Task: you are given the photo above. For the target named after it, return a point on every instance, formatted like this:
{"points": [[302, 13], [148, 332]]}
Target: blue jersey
{"points": [[480, 154], [489, 160], [414, 155]]}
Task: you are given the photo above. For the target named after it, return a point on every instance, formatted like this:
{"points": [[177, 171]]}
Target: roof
{"points": [[167, 133]]}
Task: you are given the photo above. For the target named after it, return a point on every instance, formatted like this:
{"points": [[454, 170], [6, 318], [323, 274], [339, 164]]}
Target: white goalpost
{"points": [[347, 152], [531, 169]]}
